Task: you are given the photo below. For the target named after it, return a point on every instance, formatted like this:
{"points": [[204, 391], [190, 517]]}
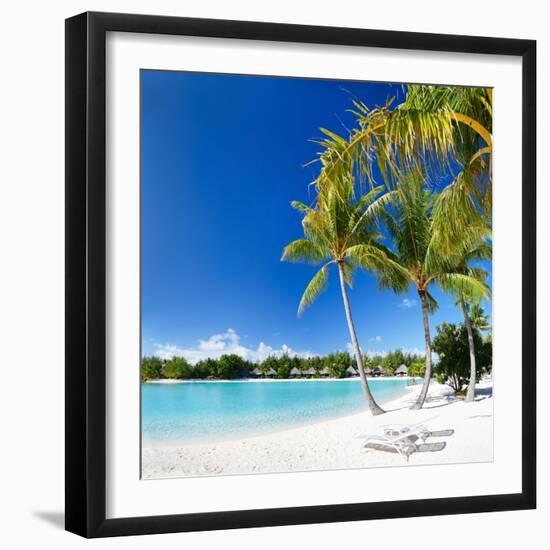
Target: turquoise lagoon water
{"points": [[195, 411]]}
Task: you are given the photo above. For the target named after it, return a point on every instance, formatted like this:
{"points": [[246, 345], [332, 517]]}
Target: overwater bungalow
{"points": [[295, 372], [401, 371], [350, 371]]}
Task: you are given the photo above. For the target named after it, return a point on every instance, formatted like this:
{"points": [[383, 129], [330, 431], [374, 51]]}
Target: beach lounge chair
{"points": [[398, 438], [414, 430], [404, 439], [400, 444], [404, 446], [419, 430]]}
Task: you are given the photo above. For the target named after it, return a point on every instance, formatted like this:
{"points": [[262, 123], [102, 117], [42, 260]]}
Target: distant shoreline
{"points": [[263, 380]]}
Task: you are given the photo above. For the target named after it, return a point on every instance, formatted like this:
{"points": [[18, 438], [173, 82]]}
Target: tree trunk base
{"points": [[416, 407], [376, 411]]}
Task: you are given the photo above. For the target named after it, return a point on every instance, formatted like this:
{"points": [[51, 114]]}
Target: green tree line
{"points": [[232, 366], [451, 343]]}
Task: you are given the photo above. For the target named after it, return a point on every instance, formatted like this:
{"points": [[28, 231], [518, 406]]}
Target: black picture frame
{"points": [[86, 268]]}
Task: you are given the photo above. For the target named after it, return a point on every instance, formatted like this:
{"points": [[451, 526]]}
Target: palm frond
{"points": [[298, 205], [303, 250], [434, 127], [349, 272], [431, 303], [317, 285], [460, 205], [382, 262], [462, 284]]}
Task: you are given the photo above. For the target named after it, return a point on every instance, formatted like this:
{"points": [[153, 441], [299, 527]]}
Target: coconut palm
{"points": [[338, 231], [443, 122], [478, 317], [436, 128], [464, 306], [409, 222], [476, 248]]}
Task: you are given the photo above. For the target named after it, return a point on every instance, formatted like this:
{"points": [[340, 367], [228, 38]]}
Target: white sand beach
{"points": [[336, 443]]}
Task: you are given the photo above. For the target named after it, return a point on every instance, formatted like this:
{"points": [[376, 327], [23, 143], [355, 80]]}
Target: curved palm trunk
{"points": [[373, 406], [470, 393], [428, 374]]}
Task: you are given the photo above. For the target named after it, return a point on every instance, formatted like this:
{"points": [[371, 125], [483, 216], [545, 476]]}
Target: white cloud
{"points": [[367, 352], [218, 342], [376, 339], [225, 343], [408, 303], [383, 353]]}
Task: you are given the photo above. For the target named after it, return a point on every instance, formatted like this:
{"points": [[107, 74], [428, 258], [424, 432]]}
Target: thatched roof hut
{"points": [[271, 372], [368, 371], [295, 372], [324, 372], [402, 370], [350, 371], [256, 372], [378, 370], [310, 372]]}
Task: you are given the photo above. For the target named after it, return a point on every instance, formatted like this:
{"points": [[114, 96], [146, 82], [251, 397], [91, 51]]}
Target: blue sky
{"points": [[222, 157]]}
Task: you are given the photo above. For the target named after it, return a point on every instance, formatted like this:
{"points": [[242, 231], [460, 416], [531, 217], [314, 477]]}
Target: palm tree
{"points": [[476, 248], [337, 231], [478, 317], [409, 223], [436, 128], [470, 392], [444, 123]]}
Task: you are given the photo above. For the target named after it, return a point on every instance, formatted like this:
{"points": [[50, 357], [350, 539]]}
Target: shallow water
{"points": [[226, 410]]}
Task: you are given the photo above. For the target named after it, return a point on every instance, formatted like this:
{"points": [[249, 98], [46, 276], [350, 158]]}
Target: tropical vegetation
{"points": [[409, 222], [405, 197], [452, 344], [339, 231], [435, 233], [232, 366], [478, 249]]}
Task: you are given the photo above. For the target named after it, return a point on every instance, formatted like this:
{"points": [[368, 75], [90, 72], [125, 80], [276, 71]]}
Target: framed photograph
{"points": [[300, 274]]}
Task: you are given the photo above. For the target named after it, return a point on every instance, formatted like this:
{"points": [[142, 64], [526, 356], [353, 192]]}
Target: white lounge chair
{"points": [[401, 444], [403, 439], [394, 430], [419, 430]]}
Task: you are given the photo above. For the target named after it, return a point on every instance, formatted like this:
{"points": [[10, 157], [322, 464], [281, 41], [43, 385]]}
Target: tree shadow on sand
{"points": [[484, 392]]}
